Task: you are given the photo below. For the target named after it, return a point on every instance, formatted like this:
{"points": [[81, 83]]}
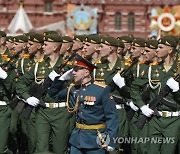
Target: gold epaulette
{"points": [[25, 56], [141, 62], [128, 62], [5, 57], [98, 62], [153, 63], [40, 60], [100, 84]]}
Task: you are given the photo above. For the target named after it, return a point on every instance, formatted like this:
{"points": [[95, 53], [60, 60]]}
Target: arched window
{"points": [[118, 20], [131, 21]]}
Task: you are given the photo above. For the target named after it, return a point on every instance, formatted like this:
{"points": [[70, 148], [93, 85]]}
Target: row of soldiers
{"points": [[134, 68]]}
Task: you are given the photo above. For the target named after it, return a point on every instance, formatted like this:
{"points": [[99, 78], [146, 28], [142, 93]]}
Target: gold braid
{"points": [[71, 110]]}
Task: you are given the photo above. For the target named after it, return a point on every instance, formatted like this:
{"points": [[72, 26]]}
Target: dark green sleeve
{"points": [[23, 85], [136, 91]]}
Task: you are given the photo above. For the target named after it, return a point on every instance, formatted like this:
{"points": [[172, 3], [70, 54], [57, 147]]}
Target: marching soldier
{"points": [[140, 93], [91, 48], [66, 48], [167, 124], [78, 43], [95, 110], [53, 119], [5, 94]]}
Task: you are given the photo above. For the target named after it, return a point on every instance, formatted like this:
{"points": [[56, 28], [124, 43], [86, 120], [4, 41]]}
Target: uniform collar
{"points": [[87, 84]]}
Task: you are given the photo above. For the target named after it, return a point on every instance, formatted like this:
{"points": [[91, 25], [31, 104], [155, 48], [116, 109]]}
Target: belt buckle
{"points": [[51, 105], [164, 114]]}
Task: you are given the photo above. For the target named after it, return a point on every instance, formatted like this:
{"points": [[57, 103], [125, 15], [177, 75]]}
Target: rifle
{"points": [[154, 103], [123, 74], [131, 112], [42, 90]]}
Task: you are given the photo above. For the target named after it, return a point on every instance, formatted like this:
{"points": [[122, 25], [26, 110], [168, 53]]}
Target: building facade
{"points": [[114, 17]]}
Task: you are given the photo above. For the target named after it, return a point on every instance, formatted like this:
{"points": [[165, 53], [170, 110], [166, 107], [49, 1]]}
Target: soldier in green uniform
{"points": [[167, 124], [3, 47], [91, 48], [127, 46], [140, 93], [22, 63], [5, 94], [35, 54], [53, 118], [91, 103], [137, 51], [66, 48], [78, 43], [9, 43], [112, 65]]}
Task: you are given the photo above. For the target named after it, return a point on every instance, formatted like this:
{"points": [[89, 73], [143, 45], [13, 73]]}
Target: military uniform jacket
{"points": [[34, 78], [95, 107]]}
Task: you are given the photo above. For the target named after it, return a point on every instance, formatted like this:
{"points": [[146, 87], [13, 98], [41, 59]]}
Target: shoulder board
{"points": [[154, 63], [98, 62], [40, 60], [5, 57], [128, 62], [142, 62], [26, 56], [100, 84]]}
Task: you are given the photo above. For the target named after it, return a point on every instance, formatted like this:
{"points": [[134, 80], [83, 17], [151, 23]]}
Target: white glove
{"points": [[134, 107], [33, 101], [52, 75], [174, 85], [67, 75], [118, 80], [109, 148], [3, 74], [146, 110]]}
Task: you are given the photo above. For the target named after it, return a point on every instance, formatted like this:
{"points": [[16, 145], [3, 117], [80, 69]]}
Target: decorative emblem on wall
{"points": [[82, 20], [165, 21]]}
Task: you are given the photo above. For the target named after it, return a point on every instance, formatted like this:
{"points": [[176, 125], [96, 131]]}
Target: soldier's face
{"points": [[9, 45], [32, 47], [89, 49], [48, 48], [17, 47], [77, 45], [127, 47], [163, 51], [64, 48], [135, 52], [149, 53], [2, 40], [104, 50], [119, 51]]}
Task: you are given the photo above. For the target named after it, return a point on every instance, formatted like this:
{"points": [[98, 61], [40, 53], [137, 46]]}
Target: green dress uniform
{"points": [[54, 117], [168, 124], [5, 111], [138, 90]]}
